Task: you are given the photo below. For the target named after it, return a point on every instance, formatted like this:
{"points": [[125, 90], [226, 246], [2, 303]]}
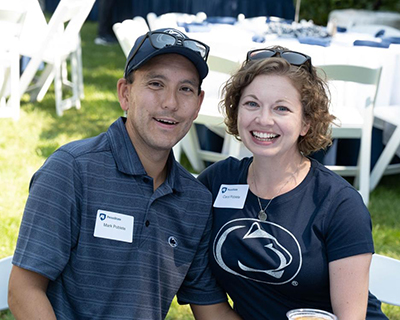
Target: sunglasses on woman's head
{"points": [[293, 57]]}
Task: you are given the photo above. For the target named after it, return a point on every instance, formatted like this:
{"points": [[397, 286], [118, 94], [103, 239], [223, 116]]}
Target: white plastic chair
{"points": [[5, 270], [58, 45], [387, 116], [220, 70], [172, 19], [355, 116], [384, 279], [11, 24], [128, 31]]}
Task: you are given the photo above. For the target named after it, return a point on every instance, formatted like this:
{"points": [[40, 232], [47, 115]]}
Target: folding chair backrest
{"points": [[223, 65], [384, 279], [13, 16], [363, 75], [355, 114], [60, 37], [128, 31], [5, 269], [351, 76], [11, 24], [71, 13]]}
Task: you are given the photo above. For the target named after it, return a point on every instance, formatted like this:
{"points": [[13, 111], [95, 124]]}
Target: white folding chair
{"points": [[173, 19], [58, 45], [11, 24], [220, 71], [128, 31], [5, 270], [355, 116], [384, 279], [385, 117]]}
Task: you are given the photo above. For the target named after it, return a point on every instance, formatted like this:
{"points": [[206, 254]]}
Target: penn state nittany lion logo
{"points": [[253, 249]]}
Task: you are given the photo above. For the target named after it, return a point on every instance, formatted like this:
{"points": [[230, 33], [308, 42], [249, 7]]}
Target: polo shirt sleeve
{"points": [[348, 227], [200, 286], [50, 223]]}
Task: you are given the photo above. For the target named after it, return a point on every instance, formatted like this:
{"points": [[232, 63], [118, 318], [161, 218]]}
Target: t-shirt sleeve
{"points": [[50, 223], [348, 227], [200, 286]]}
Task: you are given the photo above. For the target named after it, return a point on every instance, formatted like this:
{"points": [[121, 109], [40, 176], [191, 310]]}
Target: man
{"points": [[114, 227]]}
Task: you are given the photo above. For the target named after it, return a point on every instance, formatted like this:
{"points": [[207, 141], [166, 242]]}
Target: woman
{"points": [[287, 233]]}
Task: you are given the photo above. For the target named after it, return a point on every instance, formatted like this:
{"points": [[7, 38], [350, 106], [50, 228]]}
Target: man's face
{"points": [[161, 103]]}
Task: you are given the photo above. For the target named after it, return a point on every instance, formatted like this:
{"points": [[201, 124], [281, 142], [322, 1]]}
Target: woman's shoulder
{"points": [[327, 181], [229, 169]]}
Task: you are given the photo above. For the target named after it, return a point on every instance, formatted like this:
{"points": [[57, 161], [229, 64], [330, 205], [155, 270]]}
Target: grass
{"points": [[25, 145]]}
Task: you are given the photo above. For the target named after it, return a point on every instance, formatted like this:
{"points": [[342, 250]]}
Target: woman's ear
{"points": [[123, 87], [306, 127]]}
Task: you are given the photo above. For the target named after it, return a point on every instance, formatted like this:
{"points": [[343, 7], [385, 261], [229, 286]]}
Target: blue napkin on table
{"points": [[324, 42], [381, 34], [195, 27], [258, 38], [369, 43], [394, 40], [223, 20]]}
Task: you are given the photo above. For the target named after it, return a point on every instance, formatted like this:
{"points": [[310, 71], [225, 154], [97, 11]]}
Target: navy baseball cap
{"points": [[167, 40]]}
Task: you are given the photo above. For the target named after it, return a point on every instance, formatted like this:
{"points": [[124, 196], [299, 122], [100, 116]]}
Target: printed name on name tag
{"points": [[231, 196], [114, 226]]}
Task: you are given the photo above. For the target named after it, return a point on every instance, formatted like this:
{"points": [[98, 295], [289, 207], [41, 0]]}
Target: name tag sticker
{"points": [[113, 226], [231, 196]]}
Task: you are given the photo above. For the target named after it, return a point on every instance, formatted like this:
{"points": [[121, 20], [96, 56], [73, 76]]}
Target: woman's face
{"points": [[270, 117]]}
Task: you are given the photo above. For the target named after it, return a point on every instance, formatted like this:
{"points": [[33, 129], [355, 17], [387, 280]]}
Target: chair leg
{"points": [[4, 81], [14, 101], [190, 145], [385, 158], [79, 70], [43, 84], [364, 159], [75, 81], [178, 151], [58, 88], [10, 108]]}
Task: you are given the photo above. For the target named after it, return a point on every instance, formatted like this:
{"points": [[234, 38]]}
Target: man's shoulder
{"points": [[190, 181], [93, 145]]}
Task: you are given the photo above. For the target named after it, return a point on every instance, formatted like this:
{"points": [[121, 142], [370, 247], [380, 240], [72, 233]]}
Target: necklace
{"points": [[262, 214]]}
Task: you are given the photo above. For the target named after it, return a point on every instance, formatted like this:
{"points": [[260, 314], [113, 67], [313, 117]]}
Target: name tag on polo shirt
{"points": [[114, 226], [231, 196]]}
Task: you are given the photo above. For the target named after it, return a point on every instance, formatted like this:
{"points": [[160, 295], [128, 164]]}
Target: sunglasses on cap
{"points": [[293, 57], [160, 40]]}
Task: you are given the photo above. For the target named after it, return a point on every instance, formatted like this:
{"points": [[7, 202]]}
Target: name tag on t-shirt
{"points": [[114, 226], [231, 196]]}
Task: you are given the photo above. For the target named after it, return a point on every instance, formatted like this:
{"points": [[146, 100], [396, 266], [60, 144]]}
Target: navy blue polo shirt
{"points": [[111, 246]]}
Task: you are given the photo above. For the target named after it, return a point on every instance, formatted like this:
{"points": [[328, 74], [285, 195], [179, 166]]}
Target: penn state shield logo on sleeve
{"points": [[257, 250]]}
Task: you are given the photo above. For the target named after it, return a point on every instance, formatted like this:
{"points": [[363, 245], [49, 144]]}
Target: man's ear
{"points": [[200, 101], [123, 93]]}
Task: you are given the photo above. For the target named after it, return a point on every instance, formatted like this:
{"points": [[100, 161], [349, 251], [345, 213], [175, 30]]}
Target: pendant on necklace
{"points": [[262, 215]]}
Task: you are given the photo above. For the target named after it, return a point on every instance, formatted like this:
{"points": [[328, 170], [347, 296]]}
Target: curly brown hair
{"points": [[314, 96]]}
